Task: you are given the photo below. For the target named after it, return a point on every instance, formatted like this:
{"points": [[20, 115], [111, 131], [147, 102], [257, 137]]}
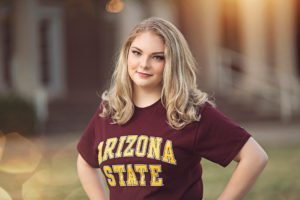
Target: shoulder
{"points": [[207, 107], [210, 113]]}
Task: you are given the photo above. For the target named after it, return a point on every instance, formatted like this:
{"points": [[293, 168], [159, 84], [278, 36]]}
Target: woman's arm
{"points": [[251, 161], [90, 180]]}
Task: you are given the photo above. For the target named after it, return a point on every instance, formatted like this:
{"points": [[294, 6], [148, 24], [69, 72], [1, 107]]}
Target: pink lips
{"points": [[143, 75]]}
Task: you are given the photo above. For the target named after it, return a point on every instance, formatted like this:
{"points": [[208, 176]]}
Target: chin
{"points": [[145, 84], [141, 85]]}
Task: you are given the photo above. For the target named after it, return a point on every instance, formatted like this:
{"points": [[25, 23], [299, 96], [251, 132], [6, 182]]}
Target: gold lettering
{"points": [[109, 147], [131, 178], [168, 155], [142, 142], [110, 178], [120, 169], [155, 180], [154, 148], [100, 146], [128, 152], [141, 169], [122, 139]]}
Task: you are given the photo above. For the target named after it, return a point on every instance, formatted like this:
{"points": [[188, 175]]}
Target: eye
{"points": [[159, 58], [134, 52]]}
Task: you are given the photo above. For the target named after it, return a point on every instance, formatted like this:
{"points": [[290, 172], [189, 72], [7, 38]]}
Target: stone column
{"points": [[254, 48], [200, 24], [128, 18], [284, 56], [25, 66], [209, 18]]}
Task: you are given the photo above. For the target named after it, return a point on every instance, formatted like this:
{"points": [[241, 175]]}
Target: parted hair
{"points": [[180, 95]]}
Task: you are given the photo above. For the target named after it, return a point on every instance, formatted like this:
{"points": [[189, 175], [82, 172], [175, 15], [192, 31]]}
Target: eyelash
{"points": [[136, 52], [160, 58]]}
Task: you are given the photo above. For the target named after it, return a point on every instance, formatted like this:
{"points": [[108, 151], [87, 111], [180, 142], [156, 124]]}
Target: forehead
{"points": [[148, 41]]}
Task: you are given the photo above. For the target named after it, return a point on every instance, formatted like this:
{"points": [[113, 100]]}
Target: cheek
{"points": [[160, 69], [131, 66], [131, 62]]}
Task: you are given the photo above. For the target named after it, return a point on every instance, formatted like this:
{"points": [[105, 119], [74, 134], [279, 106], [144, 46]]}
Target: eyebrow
{"points": [[154, 53]]}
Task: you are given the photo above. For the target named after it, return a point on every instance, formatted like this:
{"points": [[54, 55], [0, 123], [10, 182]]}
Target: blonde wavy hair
{"points": [[180, 95]]}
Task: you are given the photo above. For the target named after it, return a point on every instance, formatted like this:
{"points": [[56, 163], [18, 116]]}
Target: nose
{"points": [[144, 62]]}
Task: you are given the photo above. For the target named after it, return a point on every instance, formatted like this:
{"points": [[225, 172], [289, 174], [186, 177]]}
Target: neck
{"points": [[145, 97]]}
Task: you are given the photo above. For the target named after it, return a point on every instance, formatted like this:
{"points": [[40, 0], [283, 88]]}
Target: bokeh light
{"points": [[59, 172], [20, 155], [4, 195], [115, 6]]}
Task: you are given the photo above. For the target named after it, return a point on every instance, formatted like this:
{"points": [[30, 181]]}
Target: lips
{"points": [[143, 75]]}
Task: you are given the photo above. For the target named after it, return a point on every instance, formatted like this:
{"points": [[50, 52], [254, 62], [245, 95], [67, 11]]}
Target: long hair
{"points": [[180, 95]]}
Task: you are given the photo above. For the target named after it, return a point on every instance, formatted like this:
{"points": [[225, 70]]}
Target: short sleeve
{"points": [[218, 138], [86, 146]]}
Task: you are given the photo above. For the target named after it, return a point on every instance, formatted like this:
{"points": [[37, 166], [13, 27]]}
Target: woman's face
{"points": [[146, 61]]}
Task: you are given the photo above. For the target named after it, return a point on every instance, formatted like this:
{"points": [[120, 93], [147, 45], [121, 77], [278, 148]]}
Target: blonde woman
{"points": [[153, 126]]}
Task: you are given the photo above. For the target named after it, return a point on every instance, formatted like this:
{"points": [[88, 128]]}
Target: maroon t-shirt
{"points": [[147, 159]]}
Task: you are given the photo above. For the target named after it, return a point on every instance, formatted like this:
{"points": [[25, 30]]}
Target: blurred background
{"points": [[57, 57]]}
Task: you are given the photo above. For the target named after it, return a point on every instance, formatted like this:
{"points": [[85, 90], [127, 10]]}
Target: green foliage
{"points": [[280, 179], [17, 115]]}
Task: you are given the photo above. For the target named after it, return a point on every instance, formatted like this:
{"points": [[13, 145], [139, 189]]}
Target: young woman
{"points": [[153, 126]]}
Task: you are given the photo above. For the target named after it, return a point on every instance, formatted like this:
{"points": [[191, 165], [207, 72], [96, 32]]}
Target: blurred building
{"points": [[60, 53]]}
